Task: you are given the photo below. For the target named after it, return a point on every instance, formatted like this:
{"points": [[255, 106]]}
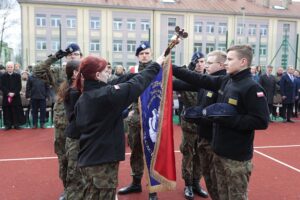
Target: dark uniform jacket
{"points": [[233, 136], [205, 98], [288, 88], [36, 88], [11, 83], [269, 85], [98, 114], [71, 130]]}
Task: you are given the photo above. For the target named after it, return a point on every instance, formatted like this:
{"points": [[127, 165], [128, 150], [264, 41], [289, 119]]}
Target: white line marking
{"points": [[23, 159], [280, 146], [278, 161]]}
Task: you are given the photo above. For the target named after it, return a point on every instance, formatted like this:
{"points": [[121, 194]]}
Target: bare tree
{"points": [[5, 22]]}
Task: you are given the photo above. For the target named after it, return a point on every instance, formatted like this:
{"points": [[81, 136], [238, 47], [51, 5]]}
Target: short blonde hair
{"points": [[243, 51], [220, 56]]}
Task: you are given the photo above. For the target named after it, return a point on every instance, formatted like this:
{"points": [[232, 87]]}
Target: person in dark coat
{"points": [[98, 117], [296, 105], [233, 137], [37, 92], [268, 82], [288, 91], [11, 104]]}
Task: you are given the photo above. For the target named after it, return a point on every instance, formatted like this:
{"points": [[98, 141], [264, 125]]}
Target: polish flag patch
{"points": [[260, 94]]}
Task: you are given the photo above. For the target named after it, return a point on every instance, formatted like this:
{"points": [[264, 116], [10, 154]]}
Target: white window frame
{"points": [[41, 44], [131, 24], [198, 27], [210, 27], [145, 24], [71, 22], [117, 24], [117, 46], [131, 46], [40, 20], [252, 29], [55, 45], [171, 22], [95, 22], [222, 28], [263, 50], [209, 47], [94, 45], [263, 30], [222, 47], [240, 29], [198, 47], [55, 21]]}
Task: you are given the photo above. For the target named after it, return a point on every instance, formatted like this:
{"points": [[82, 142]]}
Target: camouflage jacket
{"points": [[51, 75], [60, 118], [188, 99]]}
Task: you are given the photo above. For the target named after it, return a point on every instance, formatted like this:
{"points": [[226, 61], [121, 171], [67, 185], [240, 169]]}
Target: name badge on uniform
{"points": [[232, 101], [209, 94], [117, 87]]}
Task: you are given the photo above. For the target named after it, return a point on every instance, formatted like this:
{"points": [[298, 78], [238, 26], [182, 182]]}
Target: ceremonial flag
{"points": [[157, 131]]}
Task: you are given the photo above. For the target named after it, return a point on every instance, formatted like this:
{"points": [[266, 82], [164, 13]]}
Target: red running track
{"points": [[276, 174]]}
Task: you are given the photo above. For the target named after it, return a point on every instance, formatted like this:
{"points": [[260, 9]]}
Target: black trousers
{"points": [[36, 105], [13, 116], [287, 110]]}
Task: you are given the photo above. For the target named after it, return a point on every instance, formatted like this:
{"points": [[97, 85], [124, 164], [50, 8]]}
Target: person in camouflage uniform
{"points": [[191, 167], [54, 76], [144, 56]]}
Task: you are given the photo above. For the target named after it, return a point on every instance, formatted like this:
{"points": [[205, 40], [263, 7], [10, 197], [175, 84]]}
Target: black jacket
{"points": [[269, 85], [71, 130], [11, 83], [98, 114], [36, 88], [233, 136]]}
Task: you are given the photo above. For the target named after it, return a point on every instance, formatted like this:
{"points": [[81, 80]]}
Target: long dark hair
{"points": [[65, 87]]}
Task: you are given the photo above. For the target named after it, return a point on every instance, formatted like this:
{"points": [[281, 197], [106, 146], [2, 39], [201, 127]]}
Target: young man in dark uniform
{"points": [[143, 53], [233, 137]]}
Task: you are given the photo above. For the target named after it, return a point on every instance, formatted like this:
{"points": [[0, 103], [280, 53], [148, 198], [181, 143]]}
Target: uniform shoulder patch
{"points": [[260, 94], [117, 87]]}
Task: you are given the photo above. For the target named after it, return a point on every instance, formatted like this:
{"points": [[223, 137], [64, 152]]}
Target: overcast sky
{"points": [[12, 35]]}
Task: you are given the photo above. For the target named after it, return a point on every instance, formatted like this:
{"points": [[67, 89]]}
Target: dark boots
{"points": [[134, 187], [198, 190], [188, 192], [153, 196]]}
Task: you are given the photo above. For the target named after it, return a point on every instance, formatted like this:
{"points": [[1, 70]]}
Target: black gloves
{"points": [[60, 54]]}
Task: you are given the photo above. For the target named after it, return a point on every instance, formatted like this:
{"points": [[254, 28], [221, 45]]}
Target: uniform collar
{"points": [[220, 72], [92, 84], [241, 75]]}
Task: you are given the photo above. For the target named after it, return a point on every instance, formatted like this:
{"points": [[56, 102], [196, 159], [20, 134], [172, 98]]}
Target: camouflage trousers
{"points": [[136, 158], [232, 178], [190, 167], [75, 181], [101, 181], [59, 148], [206, 159]]}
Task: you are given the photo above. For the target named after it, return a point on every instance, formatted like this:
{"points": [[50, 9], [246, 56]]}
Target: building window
{"points": [[40, 20], [198, 27], [210, 27], [131, 46], [263, 50], [286, 27], [171, 21], [263, 30], [55, 21], [71, 22], [145, 24], [252, 29], [222, 47], [222, 28], [95, 22], [55, 46], [209, 48], [131, 23], [253, 48], [117, 45], [95, 45], [240, 29], [173, 56], [197, 47], [41, 44], [117, 24]]}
